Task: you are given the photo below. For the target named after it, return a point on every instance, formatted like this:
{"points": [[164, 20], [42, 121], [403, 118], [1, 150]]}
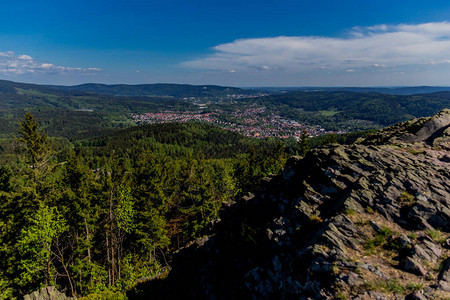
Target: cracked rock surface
{"points": [[365, 221]]}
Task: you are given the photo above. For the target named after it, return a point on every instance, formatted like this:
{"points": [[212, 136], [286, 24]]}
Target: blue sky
{"points": [[238, 43]]}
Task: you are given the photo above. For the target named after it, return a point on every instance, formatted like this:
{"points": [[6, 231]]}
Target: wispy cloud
{"points": [[380, 46], [13, 64]]}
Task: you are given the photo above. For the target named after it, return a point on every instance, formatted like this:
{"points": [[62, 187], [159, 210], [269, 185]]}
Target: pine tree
{"points": [[36, 143]]}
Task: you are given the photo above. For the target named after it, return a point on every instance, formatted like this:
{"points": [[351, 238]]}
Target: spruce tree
{"points": [[35, 143]]}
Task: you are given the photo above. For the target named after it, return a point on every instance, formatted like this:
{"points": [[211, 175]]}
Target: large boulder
{"points": [[47, 293]]}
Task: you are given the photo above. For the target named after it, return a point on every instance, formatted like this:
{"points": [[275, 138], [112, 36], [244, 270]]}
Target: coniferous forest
{"points": [[95, 216]]}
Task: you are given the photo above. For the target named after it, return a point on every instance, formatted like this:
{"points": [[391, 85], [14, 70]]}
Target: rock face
{"points": [[365, 221], [47, 293]]}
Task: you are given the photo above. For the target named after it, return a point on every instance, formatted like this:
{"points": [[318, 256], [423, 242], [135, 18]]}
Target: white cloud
{"points": [[12, 64], [364, 47], [26, 57]]}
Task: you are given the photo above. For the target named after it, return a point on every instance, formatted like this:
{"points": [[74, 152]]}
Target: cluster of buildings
{"points": [[171, 117], [251, 122]]}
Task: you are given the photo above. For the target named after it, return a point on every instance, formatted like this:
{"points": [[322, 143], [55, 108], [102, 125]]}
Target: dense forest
{"points": [[160, 89], [95, 216], [351, 110]]}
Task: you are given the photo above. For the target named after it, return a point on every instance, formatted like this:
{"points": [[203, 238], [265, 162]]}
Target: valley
{"points": [[127, 197]]}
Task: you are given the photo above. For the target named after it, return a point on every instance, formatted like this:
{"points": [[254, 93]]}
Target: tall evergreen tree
{"points": [[36, 143]]}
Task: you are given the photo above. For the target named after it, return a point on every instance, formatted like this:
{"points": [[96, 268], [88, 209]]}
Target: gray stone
{"points": [[444, 276], [417, 295], [354, 279], [47, 293], [414, 267]]}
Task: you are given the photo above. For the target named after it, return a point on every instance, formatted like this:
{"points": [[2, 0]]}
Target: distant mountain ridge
{"points": [[410, 90], [188, 90], [158, 89]]}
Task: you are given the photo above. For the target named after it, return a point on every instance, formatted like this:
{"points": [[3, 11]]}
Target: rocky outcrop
{"points": [[365, 221], [47, 293]]}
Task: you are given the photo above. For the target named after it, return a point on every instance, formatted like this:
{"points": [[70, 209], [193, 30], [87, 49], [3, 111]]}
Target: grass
{"points": [[416, 152], [335, 269], [393, 286], [389, 286], [315, 219], [406, 199], [437, 236], [369, 210], [413, 235], [362, 222], [350, 212], [382, 238], [413, 286], [341, 296]]}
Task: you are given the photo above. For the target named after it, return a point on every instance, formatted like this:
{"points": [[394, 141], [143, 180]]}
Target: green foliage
{"points": [[106, 212], [406, 198], [124, 210], [382, 238], [354, 111], [5, 178], [437, 236], [393, 286], [350, 212], [34, 140], [6, 291], [416, 152], [388, 286], [36, 242], [105, 295], [341, 296], [415, 286]]}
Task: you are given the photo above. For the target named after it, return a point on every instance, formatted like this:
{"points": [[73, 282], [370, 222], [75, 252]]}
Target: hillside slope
{"points": [[159, 89], [365, 221], [329, 109]]}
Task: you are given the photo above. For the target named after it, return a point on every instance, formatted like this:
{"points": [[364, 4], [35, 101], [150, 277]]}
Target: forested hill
{"points": [[160, 89], [69, 113], [97, 216], [331, 108], [410, 90]]}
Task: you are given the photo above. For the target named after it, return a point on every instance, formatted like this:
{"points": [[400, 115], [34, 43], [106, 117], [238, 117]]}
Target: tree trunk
{"points": [[87, 239]]}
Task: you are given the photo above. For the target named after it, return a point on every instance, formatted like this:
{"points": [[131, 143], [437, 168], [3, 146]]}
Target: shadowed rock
{"points": [[350, 220]]}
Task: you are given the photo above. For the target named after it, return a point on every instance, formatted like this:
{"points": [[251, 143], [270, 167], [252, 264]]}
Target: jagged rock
{"points": [[353, 279], [403, 241], [414, 267], [417, 295], [427, 251], [375, 226], [322, 224], [371, 296], [431, 129], [47, 293], [444, 276]]}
